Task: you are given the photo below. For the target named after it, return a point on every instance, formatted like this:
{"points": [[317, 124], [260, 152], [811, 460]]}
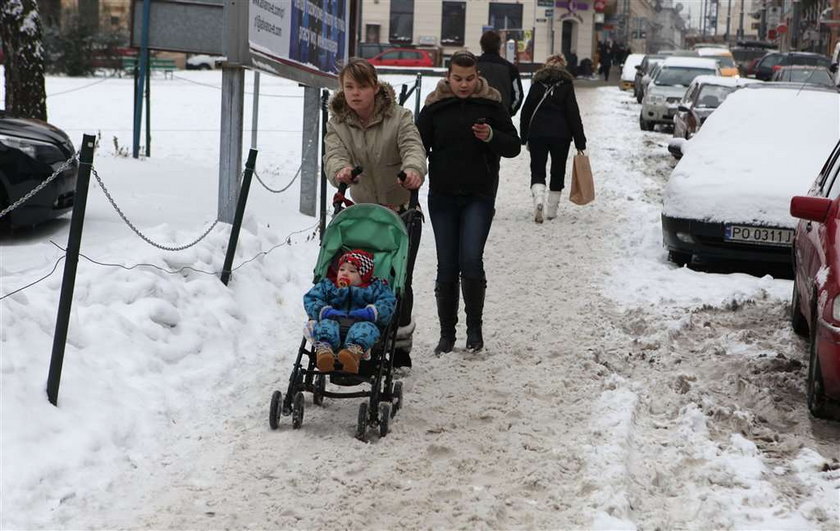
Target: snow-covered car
{"points": [[643, 74], [629, 70], [719, 203], [815, 304], [704, 95], [30, 152], [665, 91], [203, 62]]}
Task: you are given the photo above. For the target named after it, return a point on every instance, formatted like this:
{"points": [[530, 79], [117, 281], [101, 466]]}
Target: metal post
{"points": [[728, 17], [71, 261], [148, 106], [240, 212], [255, 109], [418, 83], [309, 152], [794, 25], [322, 225], [703, 18], [230, 152], [142, 60], [740, 35]]}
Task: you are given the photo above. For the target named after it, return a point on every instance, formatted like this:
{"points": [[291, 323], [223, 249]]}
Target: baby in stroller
{"points": [[353, 296]]}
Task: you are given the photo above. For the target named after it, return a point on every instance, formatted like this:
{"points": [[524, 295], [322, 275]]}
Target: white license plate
{"points": [[758, 235]]}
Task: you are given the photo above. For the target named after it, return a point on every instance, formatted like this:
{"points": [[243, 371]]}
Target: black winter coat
{"points": [[460, 163], [558, 117], [503, 76]]}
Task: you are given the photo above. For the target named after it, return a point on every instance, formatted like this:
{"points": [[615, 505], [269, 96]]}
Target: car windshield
{"points": [[809, 60], [726, 62], [803, 75], [711, 96], [672, 76]]}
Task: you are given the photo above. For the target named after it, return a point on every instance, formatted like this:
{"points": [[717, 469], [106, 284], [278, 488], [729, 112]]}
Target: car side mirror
{"points": [[683, 108], [638, 68], [675, 147], [833, 68], [810, 208]]}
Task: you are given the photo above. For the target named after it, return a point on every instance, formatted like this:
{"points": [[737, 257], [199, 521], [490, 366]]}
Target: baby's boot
{"points": [[324, 357], [350, 357]]}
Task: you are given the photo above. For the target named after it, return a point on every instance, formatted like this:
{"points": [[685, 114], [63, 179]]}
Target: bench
{"points": [[167, 66]]}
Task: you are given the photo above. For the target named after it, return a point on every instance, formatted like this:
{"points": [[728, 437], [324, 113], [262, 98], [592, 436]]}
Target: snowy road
{"points": [[615, 392], [581, 413]]}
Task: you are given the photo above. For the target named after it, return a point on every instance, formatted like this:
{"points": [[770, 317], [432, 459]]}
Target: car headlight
{"points": [[26, 145]]}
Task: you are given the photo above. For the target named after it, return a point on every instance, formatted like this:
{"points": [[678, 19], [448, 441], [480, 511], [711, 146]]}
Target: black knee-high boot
{"points": [[447, 297], [474, 290]]}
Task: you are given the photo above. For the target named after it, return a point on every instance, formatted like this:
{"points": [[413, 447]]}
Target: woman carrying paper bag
{"points": [[549, 121]]}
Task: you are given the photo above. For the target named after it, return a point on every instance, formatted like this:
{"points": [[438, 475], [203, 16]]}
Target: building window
{"points": [[505, 16], [372, 32], [452, 23], [402, 21]]}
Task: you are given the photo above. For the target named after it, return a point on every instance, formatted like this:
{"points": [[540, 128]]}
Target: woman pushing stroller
{"points": [[368, 128]]}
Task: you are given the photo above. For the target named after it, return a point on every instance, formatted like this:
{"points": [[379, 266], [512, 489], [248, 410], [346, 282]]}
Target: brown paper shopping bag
{"points": [[583, 187]]}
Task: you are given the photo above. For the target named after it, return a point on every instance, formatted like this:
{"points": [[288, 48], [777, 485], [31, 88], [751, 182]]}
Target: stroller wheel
{"points": [[397, 398], [320, 387], [274, 410], [384, 418], [361, 424], [297, 410]]}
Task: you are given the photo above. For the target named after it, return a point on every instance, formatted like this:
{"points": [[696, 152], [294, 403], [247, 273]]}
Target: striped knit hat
{"points": [[363, 261]]}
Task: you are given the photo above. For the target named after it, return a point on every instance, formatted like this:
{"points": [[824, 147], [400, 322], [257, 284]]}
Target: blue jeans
{"points": [[461, 224]]}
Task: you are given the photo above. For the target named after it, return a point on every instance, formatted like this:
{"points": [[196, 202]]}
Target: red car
{"points": [[403, 57], [815, 305]]}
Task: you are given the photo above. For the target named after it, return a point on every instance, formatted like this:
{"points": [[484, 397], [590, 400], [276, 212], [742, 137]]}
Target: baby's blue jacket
{"points": [[326, 294]]}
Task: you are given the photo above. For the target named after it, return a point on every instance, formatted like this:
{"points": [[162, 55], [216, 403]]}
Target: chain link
{"points": [[297, 173], [137, 231], [66, 164]]}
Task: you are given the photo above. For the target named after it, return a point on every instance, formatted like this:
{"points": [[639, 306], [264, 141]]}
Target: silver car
{"points": [[665, 91]]}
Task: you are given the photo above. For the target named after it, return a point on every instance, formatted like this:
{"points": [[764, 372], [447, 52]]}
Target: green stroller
{"points": [[382, 232]]}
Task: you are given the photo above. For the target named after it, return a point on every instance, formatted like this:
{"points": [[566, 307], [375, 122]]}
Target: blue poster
{"points": [[318, 33]]}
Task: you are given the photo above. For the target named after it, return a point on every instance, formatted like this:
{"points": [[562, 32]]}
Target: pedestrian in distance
{"points": [[368, 128], [549, 121], [356, 295], [465, 131], [606, 60], [500, 73]]}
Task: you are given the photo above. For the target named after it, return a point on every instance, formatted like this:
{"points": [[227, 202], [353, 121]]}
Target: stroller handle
{"points": [[414, 200], [338, 199]]}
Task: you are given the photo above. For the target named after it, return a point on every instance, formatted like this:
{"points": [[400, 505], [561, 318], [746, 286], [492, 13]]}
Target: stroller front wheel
{"points": [[361, 422], [320, 387], [274, 410], [297, 410], [384, 418]]}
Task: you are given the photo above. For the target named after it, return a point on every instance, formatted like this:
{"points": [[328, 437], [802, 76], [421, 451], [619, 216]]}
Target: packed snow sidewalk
{"points": [[615, 391]]}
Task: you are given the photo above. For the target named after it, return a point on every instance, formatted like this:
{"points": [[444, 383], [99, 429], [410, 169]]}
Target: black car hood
{"points": [[33, 129]]}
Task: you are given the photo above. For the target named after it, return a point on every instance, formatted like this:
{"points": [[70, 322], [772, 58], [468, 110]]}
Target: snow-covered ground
{"points": [[615, 392]]}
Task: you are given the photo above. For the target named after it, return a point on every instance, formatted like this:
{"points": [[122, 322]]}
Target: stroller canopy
{"points": [[371, 227]]}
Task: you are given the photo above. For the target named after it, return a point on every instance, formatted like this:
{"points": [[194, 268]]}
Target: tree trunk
{"points": [[21, 32]]}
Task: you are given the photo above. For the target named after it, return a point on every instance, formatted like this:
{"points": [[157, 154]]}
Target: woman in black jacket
{"points": [[465, 130], [550, 119]]}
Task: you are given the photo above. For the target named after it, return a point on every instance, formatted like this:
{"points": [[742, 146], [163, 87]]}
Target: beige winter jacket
{"points": [[388, 144]]}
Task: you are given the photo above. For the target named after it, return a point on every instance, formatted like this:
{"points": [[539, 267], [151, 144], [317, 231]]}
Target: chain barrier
{"points": [[137, 231], [66, 164], [286, 241], [297, 173]]}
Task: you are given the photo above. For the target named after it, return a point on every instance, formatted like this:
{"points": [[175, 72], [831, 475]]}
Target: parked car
{"points": [[775, 60], [726, 63], [30, 151], [629, 71], [815, 303], [747, 57], [811, 75], [368, 50], [403, 57], [719, 203], [203, 62], [704, 95], [668, 87], [643, 73]]}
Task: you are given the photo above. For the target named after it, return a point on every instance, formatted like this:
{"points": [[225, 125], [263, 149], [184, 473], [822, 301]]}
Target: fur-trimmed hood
{"points": [[483, 90], [384, 103], [551, 74]]}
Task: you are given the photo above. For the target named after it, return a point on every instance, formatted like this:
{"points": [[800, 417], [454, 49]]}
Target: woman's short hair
{"points": [[556, 60], [361, 71], [464, 59]]}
